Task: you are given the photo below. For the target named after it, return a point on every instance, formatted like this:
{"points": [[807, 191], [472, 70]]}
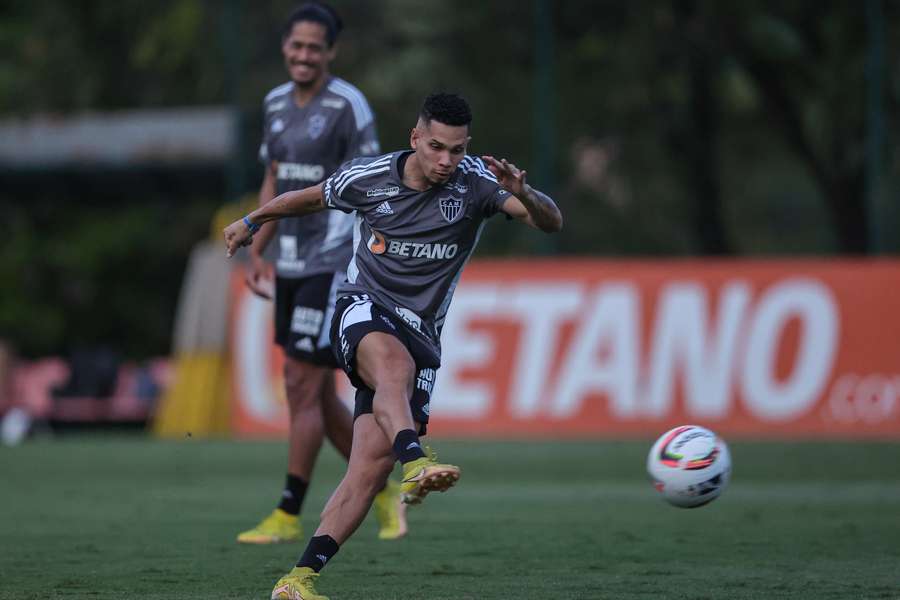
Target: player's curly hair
{"points": [[449, 109], [317, 12]]}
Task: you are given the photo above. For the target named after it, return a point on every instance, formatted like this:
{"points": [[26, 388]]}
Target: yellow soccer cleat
{"points": [[390, 512], [425, 475], [277, 527], [297, 585]]}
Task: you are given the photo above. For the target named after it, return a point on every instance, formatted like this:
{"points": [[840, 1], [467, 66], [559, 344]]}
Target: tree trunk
{"points": [[703, 143], [845, 198]]}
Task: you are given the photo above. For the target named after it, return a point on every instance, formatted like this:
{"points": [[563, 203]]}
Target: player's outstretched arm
{"points": [[289, 204], [526, 204]]}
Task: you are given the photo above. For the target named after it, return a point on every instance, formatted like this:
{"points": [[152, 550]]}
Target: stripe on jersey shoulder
{"points": [[281, 90], [477, 166], [375, 164], [361, 110], [361, 175], [476, 163], [484, 175]]}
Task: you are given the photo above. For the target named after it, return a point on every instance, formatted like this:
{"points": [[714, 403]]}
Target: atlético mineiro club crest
{"points": [[316, 126], [451, 207]]}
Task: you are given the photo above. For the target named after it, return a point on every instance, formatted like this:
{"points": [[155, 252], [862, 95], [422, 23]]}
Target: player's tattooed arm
{"points": [[542, 211], [526, 204], [289, 204]]}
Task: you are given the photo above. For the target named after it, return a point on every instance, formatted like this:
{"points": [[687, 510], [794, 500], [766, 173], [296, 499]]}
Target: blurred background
{"points": [[688, 129], [730, 182]]}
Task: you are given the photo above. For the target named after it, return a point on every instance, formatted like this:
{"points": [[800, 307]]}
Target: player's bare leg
{"points": [[371, 461], [305, 385], [386, 366], [389, 509], [315, 411], [367, 471], [337, 418]]}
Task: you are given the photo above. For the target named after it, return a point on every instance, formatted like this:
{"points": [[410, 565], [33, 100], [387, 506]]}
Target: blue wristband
{"points": [[253, 227]]}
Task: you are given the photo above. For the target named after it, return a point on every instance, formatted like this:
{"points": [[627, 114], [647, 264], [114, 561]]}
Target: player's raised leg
{"points": [[386, 366]]}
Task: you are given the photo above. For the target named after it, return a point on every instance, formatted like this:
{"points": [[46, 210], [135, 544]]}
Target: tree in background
{"points": [[684, 127], [807, 62]]}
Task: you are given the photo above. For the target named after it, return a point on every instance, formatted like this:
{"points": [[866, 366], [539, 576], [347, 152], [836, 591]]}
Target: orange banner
{"points": [[586, 347]]}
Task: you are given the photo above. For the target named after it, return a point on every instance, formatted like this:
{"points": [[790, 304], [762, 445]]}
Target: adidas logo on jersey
{"points": [[385, 208]]}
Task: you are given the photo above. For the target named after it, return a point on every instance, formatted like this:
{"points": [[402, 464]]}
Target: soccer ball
{"points": [[690, 466]]}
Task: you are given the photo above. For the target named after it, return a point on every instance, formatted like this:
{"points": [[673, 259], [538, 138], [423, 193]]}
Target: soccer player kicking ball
{"points": [[419, 216], [312, 124]]}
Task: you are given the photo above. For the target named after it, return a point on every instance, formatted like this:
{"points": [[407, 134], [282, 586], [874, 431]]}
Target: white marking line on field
{"points": [[813, 493]]}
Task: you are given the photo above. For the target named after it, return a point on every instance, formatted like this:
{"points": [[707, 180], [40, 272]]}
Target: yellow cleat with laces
{"points": [[299, 584], [276, 528], [425, 475]]}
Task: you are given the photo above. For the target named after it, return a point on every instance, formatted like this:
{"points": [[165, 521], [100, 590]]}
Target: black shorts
{"points": [[354, 317], [303, 309]]}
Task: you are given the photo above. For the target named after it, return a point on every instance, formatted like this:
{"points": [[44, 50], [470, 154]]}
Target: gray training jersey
{"points": [[304, 145], [409, 247]]}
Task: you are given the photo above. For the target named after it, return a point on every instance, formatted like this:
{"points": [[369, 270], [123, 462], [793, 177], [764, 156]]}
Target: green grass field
{"points": [[116, 517]]}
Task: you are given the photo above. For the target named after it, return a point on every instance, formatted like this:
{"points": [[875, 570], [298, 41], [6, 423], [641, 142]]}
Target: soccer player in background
{"points": [[419, 216], [312, 124]]}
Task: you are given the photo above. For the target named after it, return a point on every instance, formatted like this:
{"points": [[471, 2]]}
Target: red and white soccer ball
{"points": [[690, 466]]}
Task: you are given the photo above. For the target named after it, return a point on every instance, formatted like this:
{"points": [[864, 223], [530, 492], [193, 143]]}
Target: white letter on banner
{"points": [[682, 339], [462, 348], [253, 352], [812, 302], [541, 308], [610, 328]]}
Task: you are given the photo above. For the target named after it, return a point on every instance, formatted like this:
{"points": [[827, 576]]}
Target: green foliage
{"points": [[682, 128], [98, 277], [83, 55]]}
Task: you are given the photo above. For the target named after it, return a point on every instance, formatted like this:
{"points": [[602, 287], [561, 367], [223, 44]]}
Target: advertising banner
{"points": [[581, 348]]}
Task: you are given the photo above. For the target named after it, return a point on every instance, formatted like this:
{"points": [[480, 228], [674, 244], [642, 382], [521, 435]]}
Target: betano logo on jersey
{"points": [[301, 171], [379, 245]]}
